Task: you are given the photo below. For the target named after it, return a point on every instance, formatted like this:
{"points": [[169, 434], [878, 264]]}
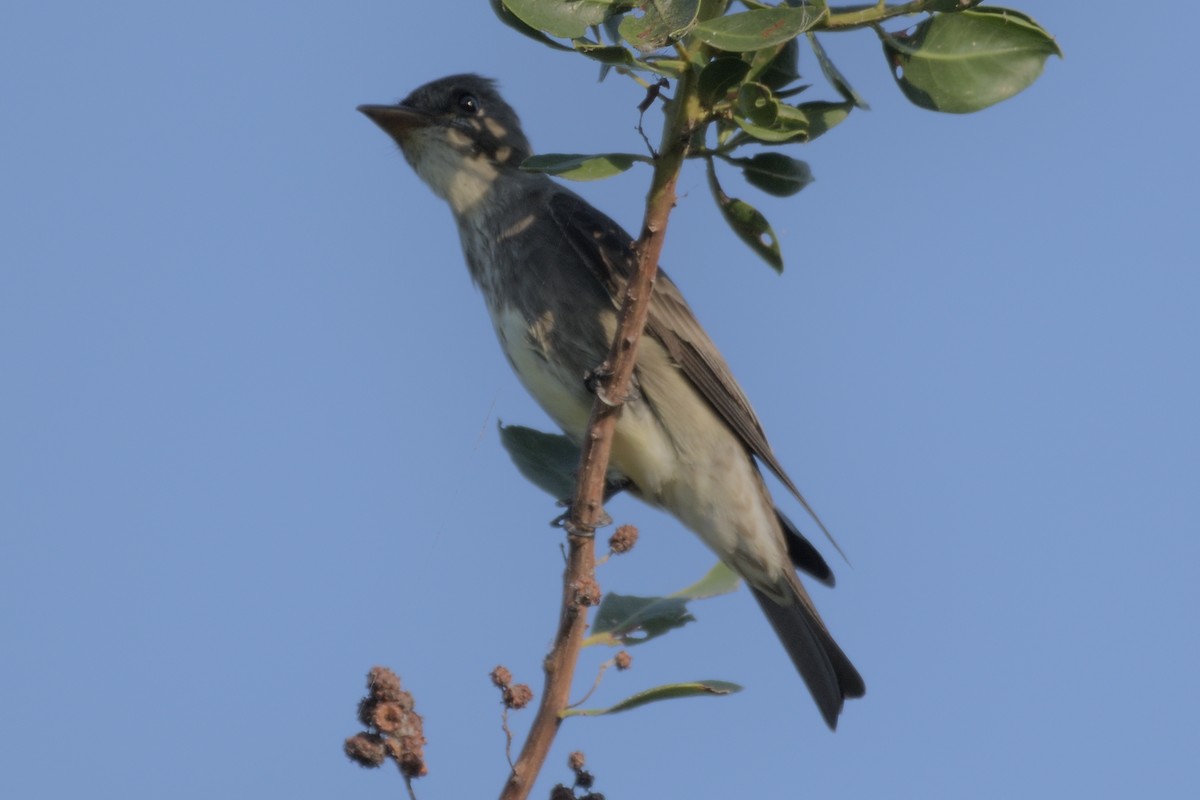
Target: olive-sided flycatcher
{"points": [[551, 269]]}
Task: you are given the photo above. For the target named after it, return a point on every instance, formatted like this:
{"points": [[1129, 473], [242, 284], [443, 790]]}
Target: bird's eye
{"points": [[468, 103]]}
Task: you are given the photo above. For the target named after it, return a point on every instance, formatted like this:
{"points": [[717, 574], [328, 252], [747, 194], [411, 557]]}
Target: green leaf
{"points": [[823, 115], [719, 77], [662, 22], [969, 60], [776, 173], [668, 691], [749, 225], [712, 8], [756, 104], [511, 20], [782, 68], [547, 460], [612, 27], [629, 619], [834, 75], [761, 115], [610, 55], [579, 167], [717, 581], [567, 20], [747, 31]]}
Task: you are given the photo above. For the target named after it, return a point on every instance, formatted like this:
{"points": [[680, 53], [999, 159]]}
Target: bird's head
{"points": [[458, 134]]}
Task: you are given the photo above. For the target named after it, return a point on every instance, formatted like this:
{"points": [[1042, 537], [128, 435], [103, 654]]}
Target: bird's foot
{"points": [[597, 380], [563, 521]]}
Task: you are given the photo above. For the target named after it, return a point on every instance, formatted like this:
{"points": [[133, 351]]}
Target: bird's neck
{"points": [[499, 232], [462, 176]]}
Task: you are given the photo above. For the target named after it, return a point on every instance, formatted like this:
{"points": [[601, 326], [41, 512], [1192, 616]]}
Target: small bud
{"points": [[366, 711], [576, 760], [623, 539], [389, 717], [584, 779], [409, 754], [623, 660], [501, 677], [383, 684], [366, 749], [587, 592], [518, 696]]}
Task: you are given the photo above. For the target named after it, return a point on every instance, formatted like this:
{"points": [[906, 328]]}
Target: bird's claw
{"points": [[563, 521], [596, 381]]}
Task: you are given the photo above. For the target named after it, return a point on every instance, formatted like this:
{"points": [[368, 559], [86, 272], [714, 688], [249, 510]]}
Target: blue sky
{"points": [[248, 421]]}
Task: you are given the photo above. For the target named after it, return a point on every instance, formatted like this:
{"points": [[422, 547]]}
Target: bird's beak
{"points": [[396, 121]]}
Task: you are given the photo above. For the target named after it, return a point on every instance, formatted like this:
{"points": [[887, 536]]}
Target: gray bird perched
{"points": [[551, 269]]}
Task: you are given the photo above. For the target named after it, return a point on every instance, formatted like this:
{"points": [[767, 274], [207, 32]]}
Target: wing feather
{"points": [[607, 250]]}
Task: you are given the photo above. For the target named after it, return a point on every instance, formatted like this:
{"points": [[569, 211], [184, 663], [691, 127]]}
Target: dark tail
{"points": [[826, 670]]}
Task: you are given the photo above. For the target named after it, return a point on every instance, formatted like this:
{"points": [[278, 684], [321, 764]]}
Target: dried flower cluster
{"points": [[394, 729], [516, 695], [583, 781], [623, 539]]}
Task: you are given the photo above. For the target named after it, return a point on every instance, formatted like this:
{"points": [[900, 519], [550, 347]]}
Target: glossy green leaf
{"points": [[609, 55], [717, 581], [719, 77], [748, 31], [823, 115], [670, 691], [513, 21], [661, 22], [612, 27], [789, 122], [628, 620], [776, 173], [749, 225], [568, 20], [969, 60], [712, 8], [580, 167], [782, 68], [547, 460], [756, 104], [832, 74]]}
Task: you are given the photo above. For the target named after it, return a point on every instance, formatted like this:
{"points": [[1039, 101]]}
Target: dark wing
{"points": [[607, 250], [804, 556]]}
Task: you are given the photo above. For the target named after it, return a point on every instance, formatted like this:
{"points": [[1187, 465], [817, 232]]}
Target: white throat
{"points": [[456, 175]]}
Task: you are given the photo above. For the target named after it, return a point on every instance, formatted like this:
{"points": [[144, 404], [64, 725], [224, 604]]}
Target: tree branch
{"points": [[850, 17], [579, 583]]}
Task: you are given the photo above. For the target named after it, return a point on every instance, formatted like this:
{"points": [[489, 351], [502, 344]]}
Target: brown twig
{"points": [[579, 584]]}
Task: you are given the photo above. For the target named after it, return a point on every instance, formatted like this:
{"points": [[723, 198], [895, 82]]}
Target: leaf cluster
{"points": [[959, 58]]}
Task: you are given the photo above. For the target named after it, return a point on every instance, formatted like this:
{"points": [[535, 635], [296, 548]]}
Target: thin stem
{"points": [[579, 586], [508, 737], [595, 685]]}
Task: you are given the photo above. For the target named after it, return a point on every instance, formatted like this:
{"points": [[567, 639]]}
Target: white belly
{"points": [[699, 471]]}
